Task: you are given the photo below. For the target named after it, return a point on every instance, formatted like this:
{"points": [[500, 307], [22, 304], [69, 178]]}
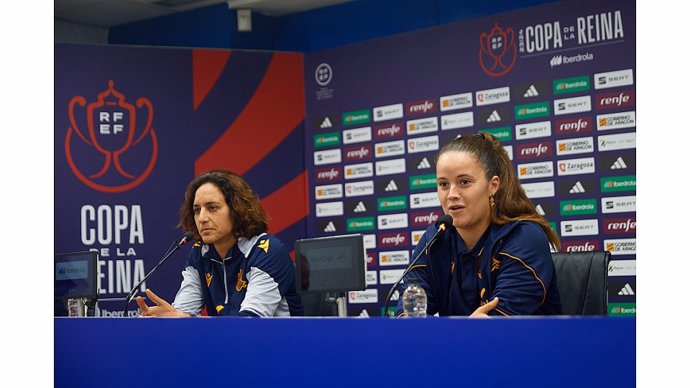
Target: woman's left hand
{"points": [[483, 311]]}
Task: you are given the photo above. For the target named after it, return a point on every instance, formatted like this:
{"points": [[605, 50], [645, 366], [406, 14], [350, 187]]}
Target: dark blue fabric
{"points": [[230, 274], [512, 262]]}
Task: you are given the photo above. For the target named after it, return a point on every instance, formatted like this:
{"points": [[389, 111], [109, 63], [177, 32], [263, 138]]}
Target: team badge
{"points": [[495, 264], [241, 283]]}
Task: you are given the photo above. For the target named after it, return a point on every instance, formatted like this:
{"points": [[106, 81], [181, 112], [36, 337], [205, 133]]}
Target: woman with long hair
{"points": [[495, 259]]}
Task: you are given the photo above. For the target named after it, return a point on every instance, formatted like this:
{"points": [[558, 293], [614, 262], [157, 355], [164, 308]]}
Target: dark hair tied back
{"points": [[511, 202]]}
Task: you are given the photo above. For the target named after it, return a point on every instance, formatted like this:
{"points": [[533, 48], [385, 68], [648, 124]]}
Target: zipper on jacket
{"points": [[225, 281]]}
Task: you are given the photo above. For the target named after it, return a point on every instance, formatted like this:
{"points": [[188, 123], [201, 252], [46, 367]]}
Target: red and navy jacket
{"points": [[512, 262], [256, 278]]}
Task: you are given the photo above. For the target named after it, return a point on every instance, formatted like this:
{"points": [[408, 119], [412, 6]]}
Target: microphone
{"points": [[187, 237], [442, 224], [177, 244]]}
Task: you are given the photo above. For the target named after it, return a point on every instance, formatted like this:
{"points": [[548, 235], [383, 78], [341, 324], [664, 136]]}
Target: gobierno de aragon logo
{"points": [[497, 51], [115, 147]]}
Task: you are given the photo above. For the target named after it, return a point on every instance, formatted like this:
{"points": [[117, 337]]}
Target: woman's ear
{"points": [[494, 184]]}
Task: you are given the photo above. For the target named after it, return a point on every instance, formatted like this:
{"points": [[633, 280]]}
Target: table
{"points": [[347, 352]]}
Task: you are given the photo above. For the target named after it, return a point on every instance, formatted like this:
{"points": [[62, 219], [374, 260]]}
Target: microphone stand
{"points": [[134, 289], [441, 228]]}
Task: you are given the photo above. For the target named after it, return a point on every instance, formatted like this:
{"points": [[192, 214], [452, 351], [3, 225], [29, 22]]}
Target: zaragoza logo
{"points": [[115, 155], [497, 51]]}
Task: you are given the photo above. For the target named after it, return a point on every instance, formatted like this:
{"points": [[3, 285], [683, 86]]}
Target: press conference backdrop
{"points": [[357, 127], [134, 125], [554, 83]]}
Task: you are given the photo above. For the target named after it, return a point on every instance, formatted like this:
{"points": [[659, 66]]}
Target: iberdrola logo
{"points": [[115, 147], [497, 51]]}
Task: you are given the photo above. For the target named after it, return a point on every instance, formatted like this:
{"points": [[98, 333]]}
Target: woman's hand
{"points": [[482, 311], [161, 309]]}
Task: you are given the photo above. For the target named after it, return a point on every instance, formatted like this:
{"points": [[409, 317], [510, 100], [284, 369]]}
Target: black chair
{"points": [[582, 282]]}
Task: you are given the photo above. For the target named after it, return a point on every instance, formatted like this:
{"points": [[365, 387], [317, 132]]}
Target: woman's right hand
{"points": [[161, 309]]}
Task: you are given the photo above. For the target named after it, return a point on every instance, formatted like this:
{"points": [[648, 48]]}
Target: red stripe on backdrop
{"points": [[207, 65], [275, 109], [282, 206]]}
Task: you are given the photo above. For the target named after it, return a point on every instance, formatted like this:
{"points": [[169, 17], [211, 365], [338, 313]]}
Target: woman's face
{"points": [[212, 217], [464, 191]]}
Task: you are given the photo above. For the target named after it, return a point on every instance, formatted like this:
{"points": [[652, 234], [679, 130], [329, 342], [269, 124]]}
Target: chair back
{"points": [[582, 282]]}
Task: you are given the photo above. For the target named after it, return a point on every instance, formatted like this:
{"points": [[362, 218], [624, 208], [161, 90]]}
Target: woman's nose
{"points": [[453, 191]]}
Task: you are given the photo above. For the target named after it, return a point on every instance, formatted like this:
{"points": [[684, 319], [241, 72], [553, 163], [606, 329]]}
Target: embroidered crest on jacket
{"points": [[495, 264], [241, 283]]}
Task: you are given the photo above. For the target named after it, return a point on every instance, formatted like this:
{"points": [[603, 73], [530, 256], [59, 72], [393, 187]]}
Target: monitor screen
{"points": [[331, 264], [76, 275]]}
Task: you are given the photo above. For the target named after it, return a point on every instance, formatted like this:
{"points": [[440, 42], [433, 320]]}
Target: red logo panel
{"points": [[497, 51], [113, 129]]}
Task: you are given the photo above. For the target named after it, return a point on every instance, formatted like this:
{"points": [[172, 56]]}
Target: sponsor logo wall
{"points": [[555, 84]]}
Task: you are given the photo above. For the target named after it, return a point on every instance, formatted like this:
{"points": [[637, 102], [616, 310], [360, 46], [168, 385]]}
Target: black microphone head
{"points": [[188, 236], [445, 220]]}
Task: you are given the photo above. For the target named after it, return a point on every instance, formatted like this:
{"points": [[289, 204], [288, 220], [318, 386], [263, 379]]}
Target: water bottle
{"points": [[76, 307], [414, 300]]}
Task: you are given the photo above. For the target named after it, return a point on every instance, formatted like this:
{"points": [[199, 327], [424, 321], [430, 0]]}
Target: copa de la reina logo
{"points": [[110, 144], [497, 51]]}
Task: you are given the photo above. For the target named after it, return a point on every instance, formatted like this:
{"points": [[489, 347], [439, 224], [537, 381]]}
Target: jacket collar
{"points": [[486, 243], [243, 245]]}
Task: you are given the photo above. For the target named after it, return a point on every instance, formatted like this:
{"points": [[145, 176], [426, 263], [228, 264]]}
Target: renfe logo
{"points": [[392, 240], [388, 131], [580, 246], [327, 174], [574, 125], [614, 100], [113, 127], [534, 150], [358, 153], [620, 225], [424, 218], [421, 107]]}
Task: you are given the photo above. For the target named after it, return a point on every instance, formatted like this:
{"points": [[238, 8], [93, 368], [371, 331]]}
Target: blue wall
{"points": [[215, 26]]}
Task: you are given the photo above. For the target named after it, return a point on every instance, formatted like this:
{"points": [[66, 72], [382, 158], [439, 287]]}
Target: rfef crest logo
{"points": [[113, 134], [497, 51]]}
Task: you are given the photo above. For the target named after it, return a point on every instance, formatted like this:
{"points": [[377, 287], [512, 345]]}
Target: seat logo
{"points": [[109, 138]]}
